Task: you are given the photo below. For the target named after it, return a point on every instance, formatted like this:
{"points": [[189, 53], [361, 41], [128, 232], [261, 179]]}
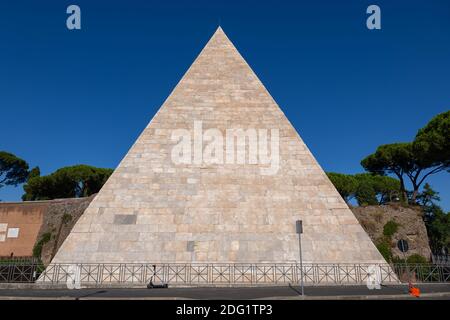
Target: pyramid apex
{"points": [[219, 36]]}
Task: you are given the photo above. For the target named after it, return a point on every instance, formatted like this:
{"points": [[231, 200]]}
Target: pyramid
{"points": [[167, 203]]}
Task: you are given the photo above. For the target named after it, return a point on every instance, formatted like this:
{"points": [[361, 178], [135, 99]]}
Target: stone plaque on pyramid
{"points": [[191, 190]]}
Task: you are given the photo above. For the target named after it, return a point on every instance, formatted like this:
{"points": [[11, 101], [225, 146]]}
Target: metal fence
{"points": [[221, 274], [441, 259], [20, 272], [215, 274]]}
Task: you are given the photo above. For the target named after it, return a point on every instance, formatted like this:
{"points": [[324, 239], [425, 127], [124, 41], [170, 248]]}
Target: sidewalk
{"points": [[428, 291]]}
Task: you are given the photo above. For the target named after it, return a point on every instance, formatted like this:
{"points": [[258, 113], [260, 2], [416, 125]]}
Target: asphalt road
{"points": [[223, 293]]}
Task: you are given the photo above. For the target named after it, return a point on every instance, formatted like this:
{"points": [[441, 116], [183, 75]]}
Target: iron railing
{"points": [[221, 274], [20, 273], [441, 259], [213, 274]]}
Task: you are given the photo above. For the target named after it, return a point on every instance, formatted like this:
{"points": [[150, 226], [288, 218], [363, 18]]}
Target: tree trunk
{"points": [[415, 194], [404, 195]]}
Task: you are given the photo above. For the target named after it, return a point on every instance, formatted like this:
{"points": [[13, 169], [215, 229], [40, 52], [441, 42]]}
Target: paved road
{"points": [[223, 293]]}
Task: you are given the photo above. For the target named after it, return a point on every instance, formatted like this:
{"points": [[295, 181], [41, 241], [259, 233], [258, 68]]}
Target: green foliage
{"points": [[390, 228], [67, 182], [37, 250], [428, 154], [365, 195], [384, 247], [35, 172], [385, 187], [432, 142], [365, 192], [436, 220], [368, 189], [13, 170], [416, 258], [428, 196], [384, 244], [397, 260], [66, 218], [345, 184], [437, 223], [8, 261], [390, 159], [412, 259]]}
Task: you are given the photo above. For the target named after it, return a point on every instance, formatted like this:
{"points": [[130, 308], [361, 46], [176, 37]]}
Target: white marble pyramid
{"points": [[169, 203]]}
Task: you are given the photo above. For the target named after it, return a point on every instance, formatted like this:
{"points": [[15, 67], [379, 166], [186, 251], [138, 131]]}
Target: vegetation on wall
{"points": [[384, 247], [412, 259], [390, 228], [384, 244], [37, 250]]}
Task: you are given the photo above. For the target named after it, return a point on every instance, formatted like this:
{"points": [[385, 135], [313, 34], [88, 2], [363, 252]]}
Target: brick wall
{"points": [[19, 226], [22, 224]]}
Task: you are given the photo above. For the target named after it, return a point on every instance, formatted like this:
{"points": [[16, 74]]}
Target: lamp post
{"points": [[299, 230]]}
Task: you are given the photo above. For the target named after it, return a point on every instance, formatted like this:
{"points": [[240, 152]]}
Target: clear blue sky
{"points": [[73, 97]]}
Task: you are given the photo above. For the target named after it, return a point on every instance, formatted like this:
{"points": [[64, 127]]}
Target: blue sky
{"points": [[72, 97]]}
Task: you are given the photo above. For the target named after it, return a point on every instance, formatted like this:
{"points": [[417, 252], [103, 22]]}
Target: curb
{"points": [[445, 295], [365, 297], [56, 286]]}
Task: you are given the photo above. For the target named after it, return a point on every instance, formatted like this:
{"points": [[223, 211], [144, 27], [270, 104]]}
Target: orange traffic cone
{"points": [[415, 292]]}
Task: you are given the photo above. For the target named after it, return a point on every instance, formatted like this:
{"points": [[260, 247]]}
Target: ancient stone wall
{"points": [[57, 217], [410, 226], [59, 220], [23, 224]]}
